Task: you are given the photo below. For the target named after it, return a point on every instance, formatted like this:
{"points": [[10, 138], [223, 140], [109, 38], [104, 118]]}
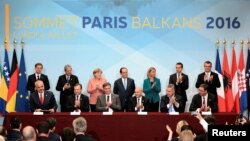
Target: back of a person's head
{"points": [[29, 133], [2, 138], [80, 124], [52, 122], [209, 119], [15, 123], [43, 127], [179, 125], [68, 134], [187, 127], [3, 131], [186, 135]]}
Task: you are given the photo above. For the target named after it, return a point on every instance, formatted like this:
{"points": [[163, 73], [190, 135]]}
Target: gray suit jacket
{"points": [[101, 103]]}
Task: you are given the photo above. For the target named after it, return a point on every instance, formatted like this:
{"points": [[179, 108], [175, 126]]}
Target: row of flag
{"points": [[13, 92], [233, 94]]}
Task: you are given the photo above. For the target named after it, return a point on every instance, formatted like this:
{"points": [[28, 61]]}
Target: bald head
{"points": [[138, 91], [2, 138], [29, 133], [39, 86]]}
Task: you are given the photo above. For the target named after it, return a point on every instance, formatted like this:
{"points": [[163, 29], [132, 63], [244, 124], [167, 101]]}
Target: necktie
{"points": [[138, 100], [204, 104], [67, 78], [77, 108], [38, 77], [41, 98], [108, 98], [125, 84]]}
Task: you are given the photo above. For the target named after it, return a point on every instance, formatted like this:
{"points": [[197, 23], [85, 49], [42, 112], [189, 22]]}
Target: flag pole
{"points": [[22, 43], [241, 44], [14, 43], [217, 44], [233, 44], [248, 45]]}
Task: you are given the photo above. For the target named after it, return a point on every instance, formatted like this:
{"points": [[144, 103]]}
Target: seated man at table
{"points": [[138, 102], [203, 101], [78, 101], [171, 102], [41, 99], [108, 101]]}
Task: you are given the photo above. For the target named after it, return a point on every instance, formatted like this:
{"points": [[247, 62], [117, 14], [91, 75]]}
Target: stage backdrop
{"points": [[136, 34]]}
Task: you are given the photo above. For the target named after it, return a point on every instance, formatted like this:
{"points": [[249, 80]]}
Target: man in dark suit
{"points": [[65, 85], [180, 81], [210, 78], [203, 101], [108, 101], [78, 101], [41, 99], [80, 127], [124, 87], [138, 102], [15, 132], [37, 76], [171, 102], [43, 131]]}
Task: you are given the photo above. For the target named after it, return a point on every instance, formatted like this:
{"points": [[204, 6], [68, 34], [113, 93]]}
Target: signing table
{"points": [[122, 126]]}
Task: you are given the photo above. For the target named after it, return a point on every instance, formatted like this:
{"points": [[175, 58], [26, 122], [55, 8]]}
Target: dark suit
{"points": [[133, 102], [64, 93], [124, 95], [212, 85], [180, 88], [49, 101], [101, 103], [32, 79], [84, 103], [82, 137], [165, 100], [14, 135], [197, 103]]}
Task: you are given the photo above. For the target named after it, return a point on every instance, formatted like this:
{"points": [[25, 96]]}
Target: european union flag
{"points": [[22, 98], [248, 78]]}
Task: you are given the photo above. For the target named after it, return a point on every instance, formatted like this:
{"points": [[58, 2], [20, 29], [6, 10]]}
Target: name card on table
{"points": [[107, 113], [206, 113], [37, 113], [142, 113], [173, 113], [75, 113]]}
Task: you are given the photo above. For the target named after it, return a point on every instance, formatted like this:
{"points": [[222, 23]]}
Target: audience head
{"points": [[43, 127], [107, 88], [138, 92], [78, 89], [3, 131], [97, 73], [52, 123], [2, 138], [29, 133], [179, 125], [39, 86], [80, 124], [187, 127], [38, 68], [186, 135], [68, 70], [203, 89], [124, 72], [68, 134], [170, 90], [151, 72], [179, 67], [15, 123], [209, 119], [207, 66], [241, 120]]}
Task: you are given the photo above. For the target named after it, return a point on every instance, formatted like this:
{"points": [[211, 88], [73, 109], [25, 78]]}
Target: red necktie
{"points": [[204, 104], [41, 98]]}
